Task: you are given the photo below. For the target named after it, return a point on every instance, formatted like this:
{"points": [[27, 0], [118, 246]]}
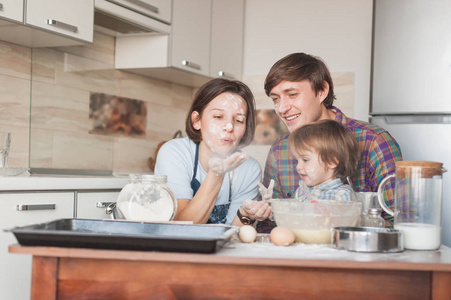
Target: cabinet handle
{"points": [[190, 64], [62, 25], [1, 7], [109, 206], [145, 5], [226, 75], [22, 207]]}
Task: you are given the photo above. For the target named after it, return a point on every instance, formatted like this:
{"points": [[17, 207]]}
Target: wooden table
{"points": [[239, 271]]}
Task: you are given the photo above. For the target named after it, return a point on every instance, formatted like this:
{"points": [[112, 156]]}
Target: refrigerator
{"points": [[411, 83]]}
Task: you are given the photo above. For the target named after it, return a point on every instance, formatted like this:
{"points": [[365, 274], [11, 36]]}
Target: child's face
{"points": [[311, 169]]}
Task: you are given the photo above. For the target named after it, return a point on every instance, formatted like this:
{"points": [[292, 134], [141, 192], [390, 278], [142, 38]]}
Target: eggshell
{"points": [[247, 234], [282, 236]]}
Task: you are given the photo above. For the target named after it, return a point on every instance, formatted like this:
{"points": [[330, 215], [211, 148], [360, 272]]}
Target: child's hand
{"points": [[303, 193], [266, 193]]}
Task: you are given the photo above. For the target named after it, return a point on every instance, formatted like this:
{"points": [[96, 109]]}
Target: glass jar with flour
{"points": [[146, 198]]}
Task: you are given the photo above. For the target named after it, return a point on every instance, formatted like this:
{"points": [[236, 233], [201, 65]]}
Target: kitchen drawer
{"points": [[87, 204], [15, 270]]}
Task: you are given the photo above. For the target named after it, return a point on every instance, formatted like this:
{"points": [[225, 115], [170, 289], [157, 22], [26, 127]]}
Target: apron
{"points": [[219, 213]]}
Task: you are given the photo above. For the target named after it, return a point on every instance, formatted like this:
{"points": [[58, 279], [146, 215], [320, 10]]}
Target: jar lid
{"points": [[425, 169], [148, 177], [374, 211]]}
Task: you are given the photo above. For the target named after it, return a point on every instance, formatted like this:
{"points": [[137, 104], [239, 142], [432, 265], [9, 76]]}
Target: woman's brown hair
{"points": [[211, 90], [333, 143]]}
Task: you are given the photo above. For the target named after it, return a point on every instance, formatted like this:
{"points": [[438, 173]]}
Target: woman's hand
{"points": [[221, 166], [257, 210]]}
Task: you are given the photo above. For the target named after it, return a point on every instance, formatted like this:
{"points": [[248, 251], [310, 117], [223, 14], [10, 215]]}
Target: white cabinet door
{"points": [[206, 39], [92, 205], [157, 9], [15, 269], [191, 36], [411, 57], [11, 10], [65, 17], [227, 34]]}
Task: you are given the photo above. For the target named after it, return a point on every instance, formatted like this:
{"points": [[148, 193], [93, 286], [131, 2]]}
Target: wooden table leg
{"points": [[441, 285], [44, 278]]}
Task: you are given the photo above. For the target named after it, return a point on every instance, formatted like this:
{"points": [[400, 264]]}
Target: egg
{"points": [[247, 234], [282, 236]]}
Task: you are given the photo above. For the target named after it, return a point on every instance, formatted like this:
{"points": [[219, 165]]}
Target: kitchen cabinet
{"points": [[50, 23], [11, 10], [20, 209], [206, 39], [227, 38], [93, 205], [49, 198], [191, 36]]}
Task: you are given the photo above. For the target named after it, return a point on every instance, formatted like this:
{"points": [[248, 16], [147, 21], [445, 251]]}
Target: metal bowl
{"points": [[367, 239]]}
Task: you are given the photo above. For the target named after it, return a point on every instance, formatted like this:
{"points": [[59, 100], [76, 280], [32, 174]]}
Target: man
{"points": [[301, 88]]}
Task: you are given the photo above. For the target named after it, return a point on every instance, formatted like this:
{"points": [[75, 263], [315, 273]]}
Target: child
{"points": [[327, 155]]}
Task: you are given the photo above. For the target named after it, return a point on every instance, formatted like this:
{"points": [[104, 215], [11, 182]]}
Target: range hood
{"points": [[115, 19], [118, 25]]}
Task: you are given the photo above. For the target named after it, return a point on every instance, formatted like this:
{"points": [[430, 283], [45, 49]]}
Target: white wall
{"points": [[339, 31]]}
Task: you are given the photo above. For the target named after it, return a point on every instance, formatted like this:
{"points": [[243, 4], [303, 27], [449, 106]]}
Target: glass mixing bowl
{"points": [[312, 222]]}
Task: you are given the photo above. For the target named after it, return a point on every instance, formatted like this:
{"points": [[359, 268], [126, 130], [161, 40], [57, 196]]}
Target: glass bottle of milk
{"points": [[146, 198]]}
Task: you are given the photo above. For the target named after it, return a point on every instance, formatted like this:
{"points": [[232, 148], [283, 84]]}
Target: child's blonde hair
{"points": [[333, 143]]}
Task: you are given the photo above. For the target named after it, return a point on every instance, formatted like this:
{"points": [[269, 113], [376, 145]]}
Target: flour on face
{"points": [[224, 123], [228, 127]]}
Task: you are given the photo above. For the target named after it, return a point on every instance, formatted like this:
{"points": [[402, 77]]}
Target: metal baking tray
{"points": [[367, 239], [125, 235]]}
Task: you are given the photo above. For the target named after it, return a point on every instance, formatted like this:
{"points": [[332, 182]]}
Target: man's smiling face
{"points": [[296, 103]]}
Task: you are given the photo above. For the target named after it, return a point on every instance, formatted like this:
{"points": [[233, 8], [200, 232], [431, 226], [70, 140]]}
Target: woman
{"points": [[208, 177]]}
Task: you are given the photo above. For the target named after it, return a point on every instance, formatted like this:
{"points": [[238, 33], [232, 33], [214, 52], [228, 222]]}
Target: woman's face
{"points": [[223, 123], [311, 168]]}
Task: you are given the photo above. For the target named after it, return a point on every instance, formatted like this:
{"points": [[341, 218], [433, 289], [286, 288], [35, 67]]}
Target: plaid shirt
{"points": [[333, 190], [379, 152]]}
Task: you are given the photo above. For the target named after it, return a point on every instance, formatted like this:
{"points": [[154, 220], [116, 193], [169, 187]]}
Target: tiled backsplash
{"points": [[59, 82]]}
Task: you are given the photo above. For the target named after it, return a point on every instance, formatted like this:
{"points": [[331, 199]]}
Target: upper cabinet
{"points": [[66, 17], [227, 38], [191, 36], [48, 23], [206, 41], [11, 10]]}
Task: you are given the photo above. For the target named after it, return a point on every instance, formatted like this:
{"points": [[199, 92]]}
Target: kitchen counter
{"points": [[245, 271], [27, 182]]}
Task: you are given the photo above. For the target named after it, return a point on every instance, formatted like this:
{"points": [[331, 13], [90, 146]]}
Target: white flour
{"points": [[160, 210]]}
